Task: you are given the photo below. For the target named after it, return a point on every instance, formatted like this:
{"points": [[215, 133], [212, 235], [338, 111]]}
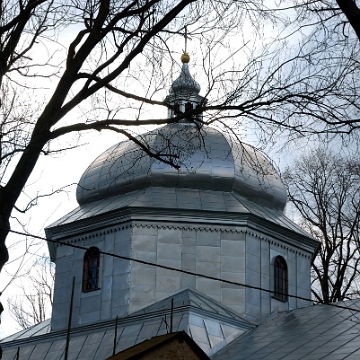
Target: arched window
{"points": [[280, 278], [91, 269]]}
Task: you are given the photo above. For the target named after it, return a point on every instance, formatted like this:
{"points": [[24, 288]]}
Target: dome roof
{"points": [[185, 84], [207, 160]]}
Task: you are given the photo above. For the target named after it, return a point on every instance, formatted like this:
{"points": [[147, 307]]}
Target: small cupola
{"points": [[184, 94]]}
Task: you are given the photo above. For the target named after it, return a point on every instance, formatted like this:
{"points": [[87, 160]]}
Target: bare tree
{"points": [[338, 15], [113, 43], [33, 304], [113, 60], [110, 59], [324, 187]]}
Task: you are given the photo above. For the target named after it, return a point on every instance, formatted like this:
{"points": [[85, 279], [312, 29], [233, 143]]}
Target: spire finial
{"points": [[185, 57]]}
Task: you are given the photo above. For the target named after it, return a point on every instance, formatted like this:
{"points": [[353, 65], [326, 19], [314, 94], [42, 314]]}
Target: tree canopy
{"points": [[324, 187], [34, 303]]}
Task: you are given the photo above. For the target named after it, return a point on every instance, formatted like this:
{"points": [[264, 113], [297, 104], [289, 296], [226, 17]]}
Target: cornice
{"points": [[247, 224]]}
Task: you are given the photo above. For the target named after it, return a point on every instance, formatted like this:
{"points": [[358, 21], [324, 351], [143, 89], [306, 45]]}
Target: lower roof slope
{"points": [[330, 332], [210, 324], [178, 201], [190, 206]]}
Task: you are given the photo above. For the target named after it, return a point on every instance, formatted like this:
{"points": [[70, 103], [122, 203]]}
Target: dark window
{"points": [[280, 278], [198, 116], [177, 109], [91, 269], [189, 106]]}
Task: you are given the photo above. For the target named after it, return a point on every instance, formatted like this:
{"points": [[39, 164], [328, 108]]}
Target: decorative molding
{"points": [[151, 226], [279, 244], [96, 233], [186, 228], [181, 227]]}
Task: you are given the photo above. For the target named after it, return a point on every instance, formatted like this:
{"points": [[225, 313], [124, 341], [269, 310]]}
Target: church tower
{"points": [[184, 95], [218, 214]]}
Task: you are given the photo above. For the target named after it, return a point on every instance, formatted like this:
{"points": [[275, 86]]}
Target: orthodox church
{"points": [[201, 246]]}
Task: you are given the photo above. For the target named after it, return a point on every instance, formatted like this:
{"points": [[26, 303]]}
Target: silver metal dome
{"points": [[208, 160]]}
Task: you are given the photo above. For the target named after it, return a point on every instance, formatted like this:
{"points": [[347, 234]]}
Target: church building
{"points": [[198, 243]]}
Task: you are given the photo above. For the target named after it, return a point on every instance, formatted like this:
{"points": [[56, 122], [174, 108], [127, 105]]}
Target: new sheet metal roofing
{"points": [[207, 158], [314, 332], [217, 175], [209, 203], [311, 333], [210, 324]]}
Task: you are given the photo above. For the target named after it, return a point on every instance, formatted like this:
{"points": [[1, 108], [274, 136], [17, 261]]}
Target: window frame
{"points": [[88, 278], [280, 279]]}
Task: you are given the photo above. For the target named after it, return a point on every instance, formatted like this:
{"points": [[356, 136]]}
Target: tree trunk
{"points": [[4, 230], [352, 12]]}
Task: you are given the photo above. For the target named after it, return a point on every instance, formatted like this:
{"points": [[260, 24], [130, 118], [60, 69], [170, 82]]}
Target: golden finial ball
{"points": [[185, 57]]}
